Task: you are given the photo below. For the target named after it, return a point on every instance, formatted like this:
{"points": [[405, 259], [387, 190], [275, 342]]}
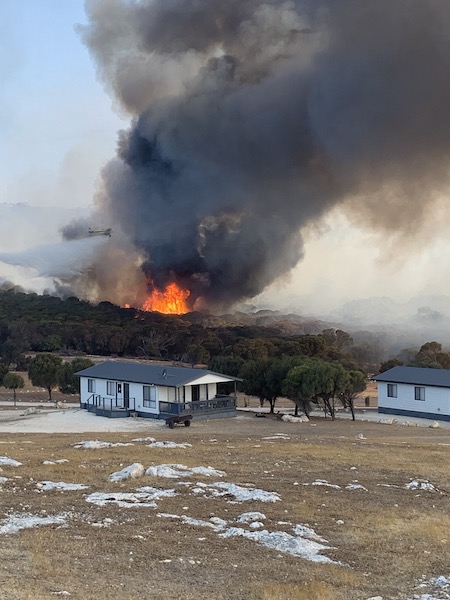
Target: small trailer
{"points": [[182, 418]]}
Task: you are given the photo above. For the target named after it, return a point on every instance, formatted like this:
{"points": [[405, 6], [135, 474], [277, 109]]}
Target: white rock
{"points": [[131, 472], [60, 485], [174, 471], [355, 486], [169, 445], [9, 462], [435, 425], [29, 411], [248, 517], [420, 484], [292, 419]]}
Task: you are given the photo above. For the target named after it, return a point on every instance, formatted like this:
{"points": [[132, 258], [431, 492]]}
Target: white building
{"points": [[414, 392], [119, 389]]}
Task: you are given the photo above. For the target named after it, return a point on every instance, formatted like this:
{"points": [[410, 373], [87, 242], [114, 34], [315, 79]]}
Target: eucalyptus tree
{"points": [[316, 381], [43, 371], [68, 382], [357, 383], [13, 381]]}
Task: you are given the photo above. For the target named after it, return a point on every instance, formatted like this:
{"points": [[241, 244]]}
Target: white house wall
{"points": [[136, 394], [163, 393], [436, 403], [187, 394], [207, 391]]}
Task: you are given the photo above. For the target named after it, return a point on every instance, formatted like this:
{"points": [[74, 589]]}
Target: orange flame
{"points": [[171, 301]]}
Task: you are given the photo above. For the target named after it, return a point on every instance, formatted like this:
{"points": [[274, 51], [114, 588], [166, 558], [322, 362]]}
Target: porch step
{"points": [[112, 414]]}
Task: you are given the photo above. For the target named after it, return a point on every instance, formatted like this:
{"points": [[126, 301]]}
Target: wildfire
{"points": [[171, 301]]}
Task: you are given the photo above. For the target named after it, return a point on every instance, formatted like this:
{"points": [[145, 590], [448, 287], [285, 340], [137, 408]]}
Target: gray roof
{"points": [[416, 376], [147, 373]]}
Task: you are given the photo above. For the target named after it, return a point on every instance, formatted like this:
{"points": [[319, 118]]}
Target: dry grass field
{"points": [[383, 538]]}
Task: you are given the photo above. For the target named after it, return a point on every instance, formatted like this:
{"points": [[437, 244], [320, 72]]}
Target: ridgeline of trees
{"points": [[31, 323], [275, 359]]}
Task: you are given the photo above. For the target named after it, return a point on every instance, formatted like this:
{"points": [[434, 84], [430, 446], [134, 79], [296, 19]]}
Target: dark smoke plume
{"points": [[252, 118]]}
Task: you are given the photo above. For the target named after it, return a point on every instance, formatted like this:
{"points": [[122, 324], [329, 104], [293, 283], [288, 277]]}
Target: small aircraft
{"points": [[100, 231]]}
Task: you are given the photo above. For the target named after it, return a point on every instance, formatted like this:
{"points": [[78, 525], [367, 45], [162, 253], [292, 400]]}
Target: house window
{"points": [[419, 393], [91, 386], [110, 388], [392, 390], [149, 396]]}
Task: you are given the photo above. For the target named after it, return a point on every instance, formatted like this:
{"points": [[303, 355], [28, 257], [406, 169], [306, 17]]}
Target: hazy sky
{"points": [[57, 123], [59, 128]]}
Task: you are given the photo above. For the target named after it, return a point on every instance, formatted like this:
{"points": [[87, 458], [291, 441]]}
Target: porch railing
{"points": [[198, 406], [217, 404], [109, 404]]}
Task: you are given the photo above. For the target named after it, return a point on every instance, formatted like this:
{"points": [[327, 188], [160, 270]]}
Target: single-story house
{"points": [[123, 389], [414, 392]]}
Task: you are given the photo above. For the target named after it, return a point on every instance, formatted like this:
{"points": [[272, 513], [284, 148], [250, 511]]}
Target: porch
{"points": [[109, 407], [218, 407]]}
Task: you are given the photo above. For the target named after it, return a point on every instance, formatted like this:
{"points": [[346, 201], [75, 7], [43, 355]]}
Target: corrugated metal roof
{"points": [[145, 373], [416, 376]]}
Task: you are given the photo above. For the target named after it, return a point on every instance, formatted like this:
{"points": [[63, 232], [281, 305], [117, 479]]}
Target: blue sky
{"points": [[58, 125]]}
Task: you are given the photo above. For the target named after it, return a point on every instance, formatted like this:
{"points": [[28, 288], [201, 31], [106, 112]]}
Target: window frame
{"points": [[392, 390], [111, 385], [149, 402], [419, 393], [91, 386]]}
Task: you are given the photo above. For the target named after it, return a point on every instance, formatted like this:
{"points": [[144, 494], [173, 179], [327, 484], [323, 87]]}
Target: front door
{"points": [[195, 393], [126, 395]]}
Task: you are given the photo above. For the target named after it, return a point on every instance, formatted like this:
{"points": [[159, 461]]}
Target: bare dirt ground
{"points": [[382, 538]]}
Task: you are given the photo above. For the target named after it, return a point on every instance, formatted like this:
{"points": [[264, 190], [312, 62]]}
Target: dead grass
{"points": [[384, 538], [315, 590]]}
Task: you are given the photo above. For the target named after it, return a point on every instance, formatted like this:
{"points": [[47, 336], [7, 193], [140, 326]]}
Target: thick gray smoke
{"points": [[252, 118]]}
